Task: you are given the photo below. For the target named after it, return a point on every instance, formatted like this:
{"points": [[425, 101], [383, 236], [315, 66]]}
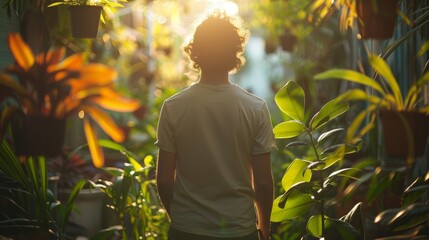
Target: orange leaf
{"points": [[52, 57], [21, 51], [72, 63], [116, 104], [105, 122], [92, 139], [97, 74]]}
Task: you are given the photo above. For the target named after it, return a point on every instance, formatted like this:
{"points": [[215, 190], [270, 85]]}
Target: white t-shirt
{"points": [[214, 130]]}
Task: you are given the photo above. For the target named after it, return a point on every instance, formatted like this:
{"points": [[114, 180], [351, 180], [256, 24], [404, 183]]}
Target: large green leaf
{"points": [[329, 111], [411, 216], [297, 205], [337, 229], [302, 187], [314, 225], [351, 76], [288, 129], [384, 70], [296, 172], [291, 99]]}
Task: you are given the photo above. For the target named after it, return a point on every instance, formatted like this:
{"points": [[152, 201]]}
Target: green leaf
{"points": [[325, 135], [384, 70], [70, 201], [56, 4], [377, 187], [297, 205], [296, 172], [288, 129], [337, 229], [355, 218], [352, 76], [302, 187], [332, 159], [329, 111], [296, 143], [411, 195], [423, 49], [314, 225], [411, 216], [345, 172], [291, 99], [344, 148], [317, 165]]}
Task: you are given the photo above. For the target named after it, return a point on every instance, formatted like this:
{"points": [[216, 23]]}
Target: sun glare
{"points": [[230, 7]]}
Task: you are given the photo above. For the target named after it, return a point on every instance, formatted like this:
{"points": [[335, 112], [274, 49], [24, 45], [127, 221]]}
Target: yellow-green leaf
{"points": [[423, 49], [352, 76], [290, 99], [384, 70], [288, 129], [92, 139], [296, 172]]}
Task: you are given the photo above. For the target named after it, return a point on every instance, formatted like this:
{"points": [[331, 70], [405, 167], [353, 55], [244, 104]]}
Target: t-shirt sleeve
{"points": [[264, 137], [165, 140]]}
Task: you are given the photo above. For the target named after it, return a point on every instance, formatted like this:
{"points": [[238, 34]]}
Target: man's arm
{"points": [[264, 191], [165, 175]]}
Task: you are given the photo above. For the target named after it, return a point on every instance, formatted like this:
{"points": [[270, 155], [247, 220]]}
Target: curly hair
{"points": [[219, 39]]}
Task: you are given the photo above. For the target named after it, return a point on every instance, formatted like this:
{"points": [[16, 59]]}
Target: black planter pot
{"points": [[288, 41], [397, 141], [38, 136], [84, 21], [376, 23]]}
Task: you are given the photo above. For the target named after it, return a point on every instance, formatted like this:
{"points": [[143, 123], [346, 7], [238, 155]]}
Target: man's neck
{"points": [[214, 78]]}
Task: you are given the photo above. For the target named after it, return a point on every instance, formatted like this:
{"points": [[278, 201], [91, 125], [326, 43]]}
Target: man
{"points": [[214, 143]]}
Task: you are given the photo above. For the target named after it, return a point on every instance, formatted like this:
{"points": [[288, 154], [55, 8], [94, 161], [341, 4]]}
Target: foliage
{"points": [[384, 95], [410, 220], [309, 182], [52, 88], [28, 206], [134, 197], [108, 5]]}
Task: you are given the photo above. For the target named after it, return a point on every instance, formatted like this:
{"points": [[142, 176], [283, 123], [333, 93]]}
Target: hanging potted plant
{"points": [[409, 137], [50, 89], [376, 18], [85, 15]]}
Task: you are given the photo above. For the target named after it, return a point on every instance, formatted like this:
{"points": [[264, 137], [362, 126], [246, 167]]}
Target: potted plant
{"points": [[386, 99], [310, 182], [376, 18], [85, 15], [49, 88]]}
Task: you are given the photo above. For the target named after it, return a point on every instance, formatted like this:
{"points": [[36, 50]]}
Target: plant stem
{"points": [[322, 197]]}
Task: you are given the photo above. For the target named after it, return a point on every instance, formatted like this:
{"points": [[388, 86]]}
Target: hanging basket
{"points": [[38, 136], [84, 21], [376, 18], [288, 41], [398, 142]]}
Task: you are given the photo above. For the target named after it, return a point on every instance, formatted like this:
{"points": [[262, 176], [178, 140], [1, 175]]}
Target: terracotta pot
{"points": [[288, 41], [376, 18], [397, 141], [84, 21], [38, 136]]}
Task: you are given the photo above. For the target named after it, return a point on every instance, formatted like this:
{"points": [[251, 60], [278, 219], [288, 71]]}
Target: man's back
{"points": [[214, 130]]}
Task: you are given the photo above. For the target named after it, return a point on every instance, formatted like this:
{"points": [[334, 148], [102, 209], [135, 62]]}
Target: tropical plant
{"points": [[310, 182], [410, 221], [133, 196], [53, 88], [28, 207], [384, 95], [108, 5]]}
